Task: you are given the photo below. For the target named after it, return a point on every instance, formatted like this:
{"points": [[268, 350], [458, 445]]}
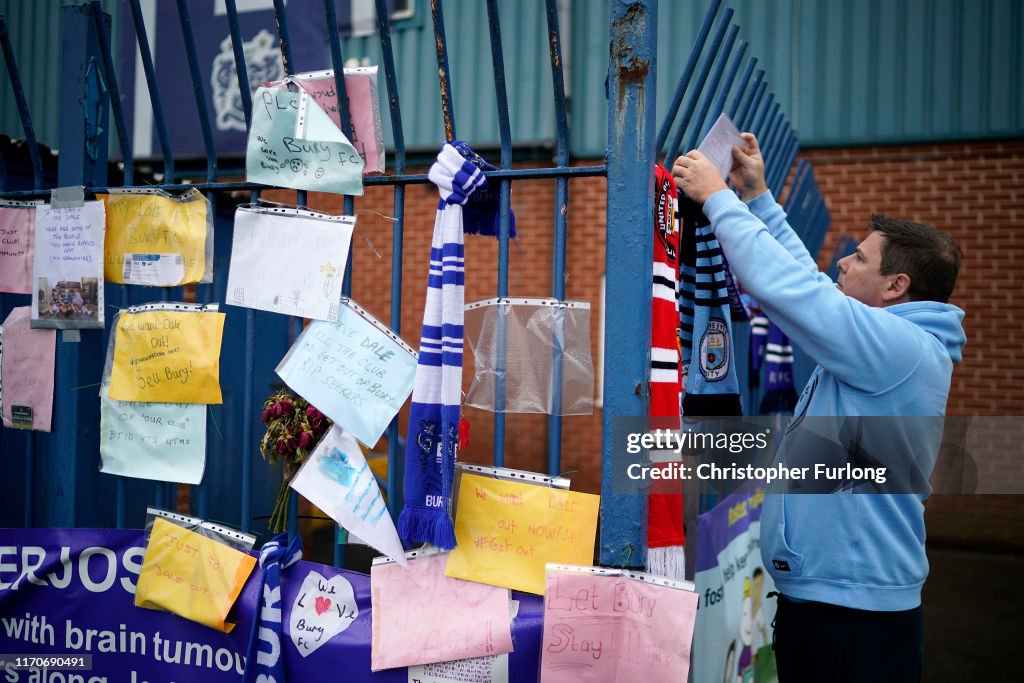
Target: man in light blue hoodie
{"points": [[849, 567]]}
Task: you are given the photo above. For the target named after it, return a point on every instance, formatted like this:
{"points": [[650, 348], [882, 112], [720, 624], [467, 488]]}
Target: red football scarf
{"points": [[665, 511]]}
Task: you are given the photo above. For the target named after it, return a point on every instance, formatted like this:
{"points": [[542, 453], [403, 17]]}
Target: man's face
{"points": [[859, 275]]}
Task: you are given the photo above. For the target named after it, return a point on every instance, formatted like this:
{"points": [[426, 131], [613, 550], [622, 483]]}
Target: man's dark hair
{"points": [[929, 257]]}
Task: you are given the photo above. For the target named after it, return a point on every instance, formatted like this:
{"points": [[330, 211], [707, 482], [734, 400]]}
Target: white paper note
{"points": [[289, 261], [718, 143]]}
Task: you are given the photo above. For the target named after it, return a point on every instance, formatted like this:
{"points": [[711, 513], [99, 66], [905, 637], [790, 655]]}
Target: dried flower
{"points": [[293, 429]]}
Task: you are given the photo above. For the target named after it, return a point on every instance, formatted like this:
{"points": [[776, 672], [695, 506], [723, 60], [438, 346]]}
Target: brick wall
{"points": [[971, 191]]}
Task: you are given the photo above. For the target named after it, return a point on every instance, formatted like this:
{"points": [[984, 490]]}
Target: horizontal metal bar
{"points": [[414, 179]]}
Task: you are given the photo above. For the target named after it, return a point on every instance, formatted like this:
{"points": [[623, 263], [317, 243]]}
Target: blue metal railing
{"points": [[711, 81]]}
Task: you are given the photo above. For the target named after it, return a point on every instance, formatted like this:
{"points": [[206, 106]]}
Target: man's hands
{"points": [[699, 179], [696, 176], [747, 172]]}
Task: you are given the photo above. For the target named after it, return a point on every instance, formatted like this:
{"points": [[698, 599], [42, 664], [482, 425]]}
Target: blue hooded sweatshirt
{"points": [[860, 551]]}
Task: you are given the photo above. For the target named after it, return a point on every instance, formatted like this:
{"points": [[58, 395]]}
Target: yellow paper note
{"points": [[152, 231], [167, 357], [191, 575], [507, 530]]}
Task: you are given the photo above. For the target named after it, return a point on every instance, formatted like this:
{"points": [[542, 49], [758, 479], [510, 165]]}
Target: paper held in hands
{"points": [[718, 143]]}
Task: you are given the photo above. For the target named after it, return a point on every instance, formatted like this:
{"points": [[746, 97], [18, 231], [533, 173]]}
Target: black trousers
{"points": [[820, 643]]}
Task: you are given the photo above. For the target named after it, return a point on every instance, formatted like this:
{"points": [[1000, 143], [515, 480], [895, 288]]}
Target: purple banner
{"points": [[71, 592], [730, 519]]}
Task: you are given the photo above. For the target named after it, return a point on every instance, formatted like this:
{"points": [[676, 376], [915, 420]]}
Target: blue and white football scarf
{"points": [[433, 435], [779, 391], [265, 664], [705, 321]]}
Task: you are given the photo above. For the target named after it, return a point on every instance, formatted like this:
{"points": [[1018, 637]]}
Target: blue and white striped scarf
{"points": [[266, 664], [433, 435]]}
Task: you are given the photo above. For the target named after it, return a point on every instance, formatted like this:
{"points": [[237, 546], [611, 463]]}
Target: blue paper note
{"points": [[355, 371], [293, 143], [161, 441]]}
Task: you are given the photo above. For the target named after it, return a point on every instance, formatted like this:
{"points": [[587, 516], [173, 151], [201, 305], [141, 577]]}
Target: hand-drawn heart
{"points": [[322, 604], [322, 609]]}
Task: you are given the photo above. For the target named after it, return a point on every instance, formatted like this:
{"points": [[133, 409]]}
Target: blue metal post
{"points": [[443, 72], [154, 91], [124, 135], [742, 91], [628, 258], [19, 98]]}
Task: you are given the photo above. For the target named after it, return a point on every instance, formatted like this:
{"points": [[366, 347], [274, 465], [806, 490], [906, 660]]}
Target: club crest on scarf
{"points": [[714, 351]]}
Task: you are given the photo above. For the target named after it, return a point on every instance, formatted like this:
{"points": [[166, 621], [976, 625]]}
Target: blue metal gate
{"points": [[52, 477]]}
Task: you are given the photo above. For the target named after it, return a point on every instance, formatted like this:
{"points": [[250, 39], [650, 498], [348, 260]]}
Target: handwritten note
{"points": [[322, 609], [477, 670], [718, 143], [27, 371], [363, 109], [313, 245], [191, 575], [293, 143], [336, 478], [160, 441], [354, 370], [615, 626], [506, 531], [156, 239], [163, 356], [421, 616], [17, 225], [67, 270]]}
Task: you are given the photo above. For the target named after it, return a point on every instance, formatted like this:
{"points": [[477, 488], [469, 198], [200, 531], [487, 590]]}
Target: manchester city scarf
{"points": [[263, 660], [433, 435], [706, 328]]}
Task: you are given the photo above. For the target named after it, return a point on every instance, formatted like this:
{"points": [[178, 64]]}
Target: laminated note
{"points": [[154, 238], [355, 371], [164, 355], [67, 271], [26, 370], [363, 108], [507, 530], [421, 616], [160, 441], [615, 625], [17, 225], [337, 479], [191, 575], [289, 261], [293, 143]]}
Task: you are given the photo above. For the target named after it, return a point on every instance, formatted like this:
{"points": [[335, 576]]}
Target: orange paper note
{"points": [[191, 575], [507, 530]]}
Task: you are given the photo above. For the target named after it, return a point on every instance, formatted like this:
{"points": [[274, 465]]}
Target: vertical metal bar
{"points": [[741, 91], [721, 59], [747, 112], [396, 460], [787, 157], [702, 77], [77, 166], [730, 77], [199, 89], [281, 19], [338, 64], [249, 353], [447, 103], [772, 127], [154, 92], [765, 115], [794, 187], [30, 477], [124, 137], [504, 220], [22, 102], [561, 215], [684, 78], [631, 158]]}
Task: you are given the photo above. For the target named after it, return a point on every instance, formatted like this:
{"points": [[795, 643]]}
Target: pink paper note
{"points": [[26, 377], [421, 616], [615, 628], [362, 108], [17, 225]]}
